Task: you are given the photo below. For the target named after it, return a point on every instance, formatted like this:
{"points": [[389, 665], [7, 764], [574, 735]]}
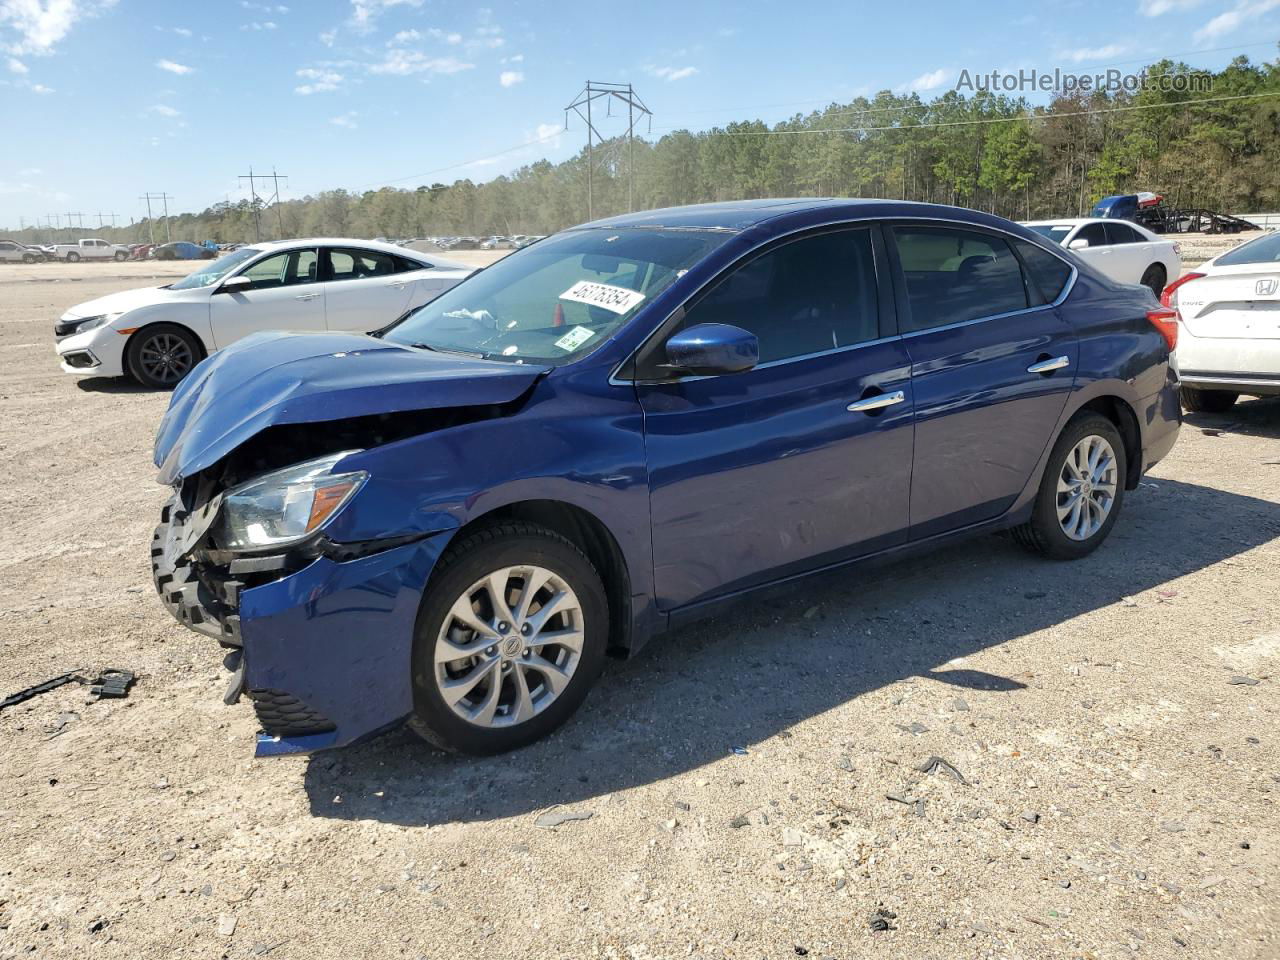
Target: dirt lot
{"points": [[1115, 721]]}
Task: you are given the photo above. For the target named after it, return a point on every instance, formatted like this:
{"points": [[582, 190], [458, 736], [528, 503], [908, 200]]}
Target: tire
{"points": [[1155, 278], [73, 257], [1044, 533], [121, 256], [146, 353], [28, 258], [1207, 401], [501, 549]]}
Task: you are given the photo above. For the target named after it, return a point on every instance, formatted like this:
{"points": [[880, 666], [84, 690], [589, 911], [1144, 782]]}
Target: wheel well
{"points": [[200, 347], [1126, 421], [595, 540]]}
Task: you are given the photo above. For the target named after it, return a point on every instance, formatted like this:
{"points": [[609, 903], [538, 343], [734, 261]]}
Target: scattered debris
{"points": [[792, 837], [554, 818], [1172, 826], [934, 764], [109, 683], [1243, 681], [226, 925], [739, 751], [959, 705], [1166, 594], [880, 920], [738, 822], [1030, 816], [915, 728]]}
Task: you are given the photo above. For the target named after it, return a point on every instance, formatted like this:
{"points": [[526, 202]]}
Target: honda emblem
{"points": [[1266, 287]]}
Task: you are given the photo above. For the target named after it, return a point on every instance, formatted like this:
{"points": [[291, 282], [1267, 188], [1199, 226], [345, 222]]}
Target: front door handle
{"points": [[1050, 365], [878, 402], [307, 296], [398, 284]]}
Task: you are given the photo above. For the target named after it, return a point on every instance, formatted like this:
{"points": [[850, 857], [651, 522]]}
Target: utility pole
{"points": [[275, 179], [151, 227], [624, 92], [102, 219], [78, 216]]}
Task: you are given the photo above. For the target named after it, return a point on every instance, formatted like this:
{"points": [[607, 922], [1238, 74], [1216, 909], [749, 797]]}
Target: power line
{"points": [[982, 120], [596, 90]]}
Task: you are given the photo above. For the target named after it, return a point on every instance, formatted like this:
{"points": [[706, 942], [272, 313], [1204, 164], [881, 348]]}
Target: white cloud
{"points": [[1232, 20], [17, 66], [1156, 8], [928, 81], [41, 88], [36, 26], [328, 37], [1082, 54], [260, 25], [518, 58], [347, 120], [548, 133], [403, 63], [404, 36], [450, 38], [364, 12], [322, 81], [509, 78], [264, 7], [671, 73], [178, 31], [163, 110], [178, 68]]}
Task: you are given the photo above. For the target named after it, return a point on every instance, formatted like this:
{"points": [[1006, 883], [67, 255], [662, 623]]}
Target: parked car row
{"points": [[1124, 251], [11, 251]]}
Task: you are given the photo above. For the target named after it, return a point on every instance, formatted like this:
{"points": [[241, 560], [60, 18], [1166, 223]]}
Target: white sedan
{"points": [[1229, 326], [1123, 251], [158, 334]]}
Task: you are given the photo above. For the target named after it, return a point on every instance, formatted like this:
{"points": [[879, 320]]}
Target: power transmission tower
{"points": [[102, 219], [624, 92], [78, 216], [168, 230], [275, 179]]}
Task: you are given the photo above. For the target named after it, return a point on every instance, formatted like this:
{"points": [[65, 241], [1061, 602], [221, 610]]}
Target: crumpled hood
{"points": [[272, 378], [122, 301]]}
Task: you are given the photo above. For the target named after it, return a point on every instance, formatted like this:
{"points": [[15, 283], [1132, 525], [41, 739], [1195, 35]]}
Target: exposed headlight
{"points": [[285, 506]]}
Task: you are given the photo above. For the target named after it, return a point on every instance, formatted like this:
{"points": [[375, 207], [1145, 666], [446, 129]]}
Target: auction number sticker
{"points": [[575, 338], [617, 299]]}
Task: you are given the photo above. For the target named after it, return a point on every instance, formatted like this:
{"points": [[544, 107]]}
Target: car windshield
{"points": [[559, 299], [215, 270], [1264, 249], [1055, 232]]}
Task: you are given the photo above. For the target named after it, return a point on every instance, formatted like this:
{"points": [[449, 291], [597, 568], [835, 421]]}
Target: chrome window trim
{"points": [[616, 380]]}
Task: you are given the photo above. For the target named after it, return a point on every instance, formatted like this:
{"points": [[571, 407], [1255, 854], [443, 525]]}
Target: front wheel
{"points": [[121, 256], [510, 638], [1080, 493], [1207, 401], [28, 258], [160, 356]]}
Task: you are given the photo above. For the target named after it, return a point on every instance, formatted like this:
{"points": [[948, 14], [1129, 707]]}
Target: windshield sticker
{"points": [[575, 338], [617, 299]]}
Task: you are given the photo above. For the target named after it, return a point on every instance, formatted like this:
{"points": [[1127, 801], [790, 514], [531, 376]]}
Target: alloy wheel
{"points": [[509, 646], [166, 358], [1086, 487]]}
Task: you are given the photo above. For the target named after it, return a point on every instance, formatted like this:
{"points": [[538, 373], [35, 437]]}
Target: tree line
{"points": [[1218, 147]]}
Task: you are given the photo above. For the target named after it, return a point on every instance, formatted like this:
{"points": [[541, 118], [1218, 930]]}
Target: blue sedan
{"points": [[454, 519]]}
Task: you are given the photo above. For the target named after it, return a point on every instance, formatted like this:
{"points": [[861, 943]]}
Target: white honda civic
{"points": [[158, 334], [1229, 326]]}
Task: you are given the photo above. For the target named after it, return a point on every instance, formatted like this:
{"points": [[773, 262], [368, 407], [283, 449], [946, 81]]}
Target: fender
{"points": [[194, 316]]}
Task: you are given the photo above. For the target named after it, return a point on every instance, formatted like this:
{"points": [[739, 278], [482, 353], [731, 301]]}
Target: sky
{"points": [[102, 101]]}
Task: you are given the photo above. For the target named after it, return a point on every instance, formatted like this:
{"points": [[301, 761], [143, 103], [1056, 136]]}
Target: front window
{"points": [[1264, 249], [215, 270], [558, 300], [1050, 231]]}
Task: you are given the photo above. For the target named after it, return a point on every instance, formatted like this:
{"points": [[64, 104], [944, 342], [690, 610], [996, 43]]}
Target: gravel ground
{"points": [[750, 787]]}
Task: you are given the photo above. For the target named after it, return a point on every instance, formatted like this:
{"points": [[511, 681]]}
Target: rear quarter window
{"points": [[1048, 273]]}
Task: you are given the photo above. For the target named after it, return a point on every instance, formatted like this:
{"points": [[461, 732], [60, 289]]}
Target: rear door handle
{"points": [[878, 402], [398, 284], [1048, 366], [307, 296]]}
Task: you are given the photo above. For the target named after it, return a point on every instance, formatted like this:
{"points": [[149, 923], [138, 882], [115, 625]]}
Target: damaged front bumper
{"points": [[321, 644]]}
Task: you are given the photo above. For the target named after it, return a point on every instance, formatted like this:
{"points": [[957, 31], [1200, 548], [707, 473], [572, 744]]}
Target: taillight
{"points": [[1167, 297], [1165, 319]]}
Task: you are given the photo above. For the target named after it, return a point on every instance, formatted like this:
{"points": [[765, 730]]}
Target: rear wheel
{"points": [[121, 256], [73, 257], [28, 258], [1155, 278], [160, 356], [1081, 491], [510, 638], [1207, 401]]}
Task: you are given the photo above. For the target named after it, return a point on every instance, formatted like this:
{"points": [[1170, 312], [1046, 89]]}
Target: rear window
{"points": [[1050, 231], [1264, 249], [1048, 273]]}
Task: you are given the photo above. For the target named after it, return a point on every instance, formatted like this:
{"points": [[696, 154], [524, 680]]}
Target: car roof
{"points": [[405, 252], [783, 214]]}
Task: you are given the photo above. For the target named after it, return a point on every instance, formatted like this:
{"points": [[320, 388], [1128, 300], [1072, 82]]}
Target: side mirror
{"points": [[1079, 243], [713, 348], [235, 284]]}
